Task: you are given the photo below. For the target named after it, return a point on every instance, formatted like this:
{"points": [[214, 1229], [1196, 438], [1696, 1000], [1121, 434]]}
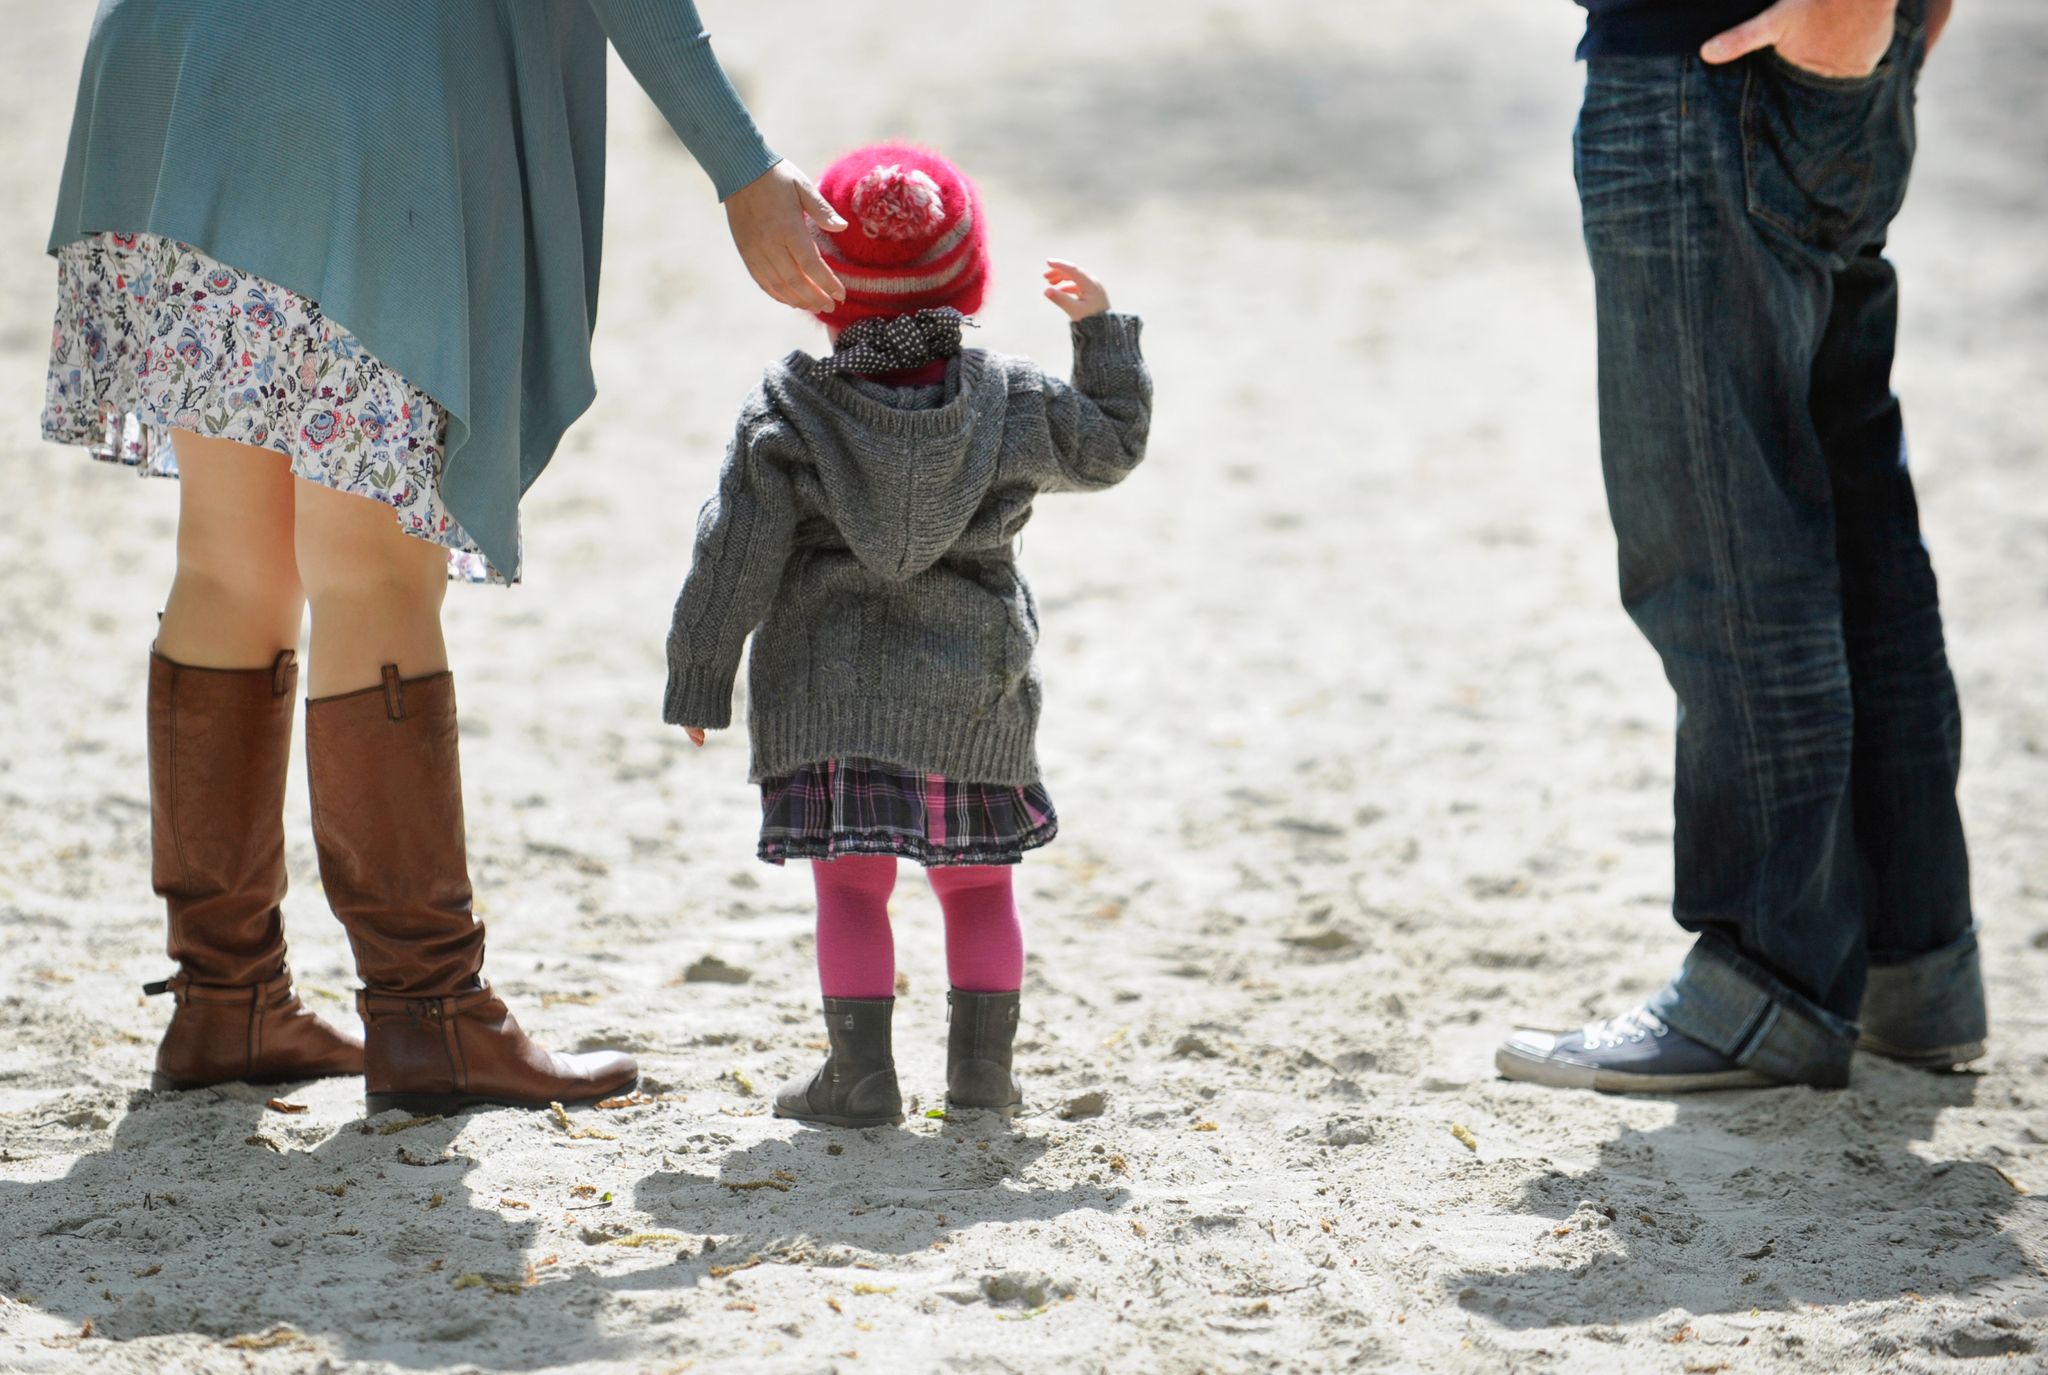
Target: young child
{"points": [[863, 530]]}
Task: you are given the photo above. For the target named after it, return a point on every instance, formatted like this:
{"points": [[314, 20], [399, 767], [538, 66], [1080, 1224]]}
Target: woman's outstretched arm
{"points": [[767, 199]]}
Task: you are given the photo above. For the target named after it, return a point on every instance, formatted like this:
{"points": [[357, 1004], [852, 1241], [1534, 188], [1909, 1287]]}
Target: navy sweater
{"points": [[1645, 27]]}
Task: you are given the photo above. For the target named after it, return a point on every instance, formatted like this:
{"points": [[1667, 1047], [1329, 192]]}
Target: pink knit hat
{"points": [[914, 238]]}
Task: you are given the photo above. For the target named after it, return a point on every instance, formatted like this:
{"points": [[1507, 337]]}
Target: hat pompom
{"points": [[891, 203]]}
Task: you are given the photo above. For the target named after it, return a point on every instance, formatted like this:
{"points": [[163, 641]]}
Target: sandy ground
{"points": [[1359, 761]]}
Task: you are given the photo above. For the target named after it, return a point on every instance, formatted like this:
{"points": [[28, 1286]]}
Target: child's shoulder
{"points": [[1019, 374]]}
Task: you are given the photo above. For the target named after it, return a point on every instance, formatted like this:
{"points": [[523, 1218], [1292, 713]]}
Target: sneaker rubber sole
{"points": [[1532, 1068]]}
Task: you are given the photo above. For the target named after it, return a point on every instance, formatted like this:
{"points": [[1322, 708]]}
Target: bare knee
{"points": [[395, 589], [259, 598], [235, 515], [350, 546], [222, 548], [230, 612], [236, 598], [376, 593]]}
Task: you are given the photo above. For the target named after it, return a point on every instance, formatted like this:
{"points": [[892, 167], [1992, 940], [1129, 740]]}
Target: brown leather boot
{"points": [[440, 1055], [254, 1033], [219, 744], [386, 778]]}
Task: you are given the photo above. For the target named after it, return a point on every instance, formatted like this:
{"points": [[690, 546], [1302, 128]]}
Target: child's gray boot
{"points": [[980, 1030], [856, 1086]]}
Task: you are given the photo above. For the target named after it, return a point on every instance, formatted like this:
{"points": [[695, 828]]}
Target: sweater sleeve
{"points": [[1097, 424], [665, 46], [743, 540]]}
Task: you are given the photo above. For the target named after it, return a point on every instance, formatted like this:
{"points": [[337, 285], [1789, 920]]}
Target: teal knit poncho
{"points": [[430, 171]]}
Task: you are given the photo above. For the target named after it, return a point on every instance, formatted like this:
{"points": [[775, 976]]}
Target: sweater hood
{"points": [[900, 483]]}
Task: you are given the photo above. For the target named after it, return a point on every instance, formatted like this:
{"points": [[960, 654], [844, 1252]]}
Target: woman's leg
{"points": [[384, 769], [984, 939], [376, 593], [856, 949], [236, 600], [222, 689]]}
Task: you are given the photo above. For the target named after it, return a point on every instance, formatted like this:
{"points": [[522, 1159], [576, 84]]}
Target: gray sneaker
{"points": [[1637, 1052]]}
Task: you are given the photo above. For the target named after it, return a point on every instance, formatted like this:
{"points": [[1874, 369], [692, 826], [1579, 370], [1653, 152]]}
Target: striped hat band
{"points": [[907, 280]]}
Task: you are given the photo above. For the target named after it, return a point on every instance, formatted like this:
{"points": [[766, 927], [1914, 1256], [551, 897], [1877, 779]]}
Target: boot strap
{"points": [[183, 988], [370, 1003]]}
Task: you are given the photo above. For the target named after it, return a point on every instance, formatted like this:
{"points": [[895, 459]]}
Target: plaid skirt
{"points": [[865, 807]]}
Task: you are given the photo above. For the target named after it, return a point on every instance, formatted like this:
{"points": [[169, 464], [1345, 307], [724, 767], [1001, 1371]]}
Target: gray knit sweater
{"points": [[864, 533]]}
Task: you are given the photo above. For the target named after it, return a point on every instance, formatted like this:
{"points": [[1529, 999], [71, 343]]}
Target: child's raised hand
{"points": [[1073, 290], [696, 736]]}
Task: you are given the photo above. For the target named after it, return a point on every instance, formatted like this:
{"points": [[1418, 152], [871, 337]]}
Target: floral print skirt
{"points": [[865, 807], [153, 336]]}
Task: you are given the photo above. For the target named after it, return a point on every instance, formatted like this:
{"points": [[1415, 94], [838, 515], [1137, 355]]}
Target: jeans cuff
{"points": [[1929, 1002], [1725, 1000]]}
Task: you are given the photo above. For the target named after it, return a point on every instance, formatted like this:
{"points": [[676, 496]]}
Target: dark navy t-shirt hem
{"points": [[1659, 28]]}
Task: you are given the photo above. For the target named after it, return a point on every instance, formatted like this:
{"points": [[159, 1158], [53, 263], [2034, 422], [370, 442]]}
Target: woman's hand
{"points": [[696, 736], [1841, 38], [1073, 290], [767, 219]]}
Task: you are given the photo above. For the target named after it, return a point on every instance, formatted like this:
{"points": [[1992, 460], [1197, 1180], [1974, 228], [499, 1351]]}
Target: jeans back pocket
{"points": [[1825, 159]]}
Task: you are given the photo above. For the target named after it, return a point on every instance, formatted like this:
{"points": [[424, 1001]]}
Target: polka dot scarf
{"points": [[896, 343]]}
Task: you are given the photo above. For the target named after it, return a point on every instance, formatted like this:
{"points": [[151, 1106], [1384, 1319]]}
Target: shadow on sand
{"points": [[887, 1191], [208, 1213], [1769, 1200]]}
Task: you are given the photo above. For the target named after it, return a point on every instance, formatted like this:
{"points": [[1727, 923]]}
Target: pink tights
{"points": [[857, 953]]}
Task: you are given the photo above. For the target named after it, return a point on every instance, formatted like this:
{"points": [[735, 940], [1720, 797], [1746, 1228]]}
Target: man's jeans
{"points": [[1770, 547]]}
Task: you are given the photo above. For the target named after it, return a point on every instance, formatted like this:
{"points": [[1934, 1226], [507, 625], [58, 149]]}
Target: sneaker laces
{"points": [[1630, 1028]]}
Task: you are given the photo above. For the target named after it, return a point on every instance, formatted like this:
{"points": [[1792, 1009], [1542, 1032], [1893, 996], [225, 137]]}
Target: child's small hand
{"points": [[1073, 290], [696, 736]]}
